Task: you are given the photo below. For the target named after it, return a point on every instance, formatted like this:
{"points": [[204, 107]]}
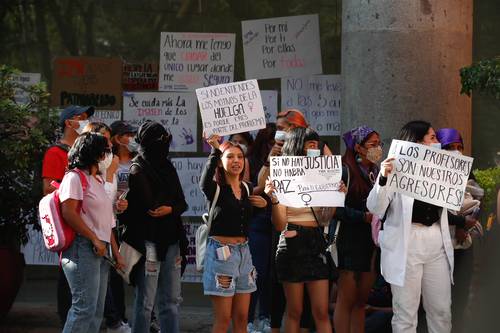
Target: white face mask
{"points": [[436, 145], [105, 163], [374, 154], [280, 136], [313, 152], [457, 152], [81, 126]]}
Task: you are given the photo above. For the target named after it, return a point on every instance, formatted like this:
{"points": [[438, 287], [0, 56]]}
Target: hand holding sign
{"points": [[386, 166]]}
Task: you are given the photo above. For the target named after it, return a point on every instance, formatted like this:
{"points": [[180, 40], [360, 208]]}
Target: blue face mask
{"points": [[436, 145], [132, 146]]}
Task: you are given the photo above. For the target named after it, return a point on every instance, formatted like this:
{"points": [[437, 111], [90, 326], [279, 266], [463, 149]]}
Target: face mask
{"points": [[105, 163], [436, 145], [81, 126], [280, 136], [313, 152], [456, 152], [132, 146], [374, 154]]}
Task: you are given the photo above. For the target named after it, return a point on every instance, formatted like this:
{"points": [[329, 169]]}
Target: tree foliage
{"points": [[482, 77]]}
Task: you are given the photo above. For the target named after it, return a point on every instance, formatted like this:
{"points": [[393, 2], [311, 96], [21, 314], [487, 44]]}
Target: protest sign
{"points": [[281, 46], [137, 77], [429, 174], [191, 274], [270, 105], [35, 252], [191, 60], [26, 80], [106, 116], [302, 181], [189, 171], [175, 111], [231, 108], [318, 97], [87, 81]]}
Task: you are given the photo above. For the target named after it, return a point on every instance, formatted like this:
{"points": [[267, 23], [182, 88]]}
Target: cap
{"points": [[74, 110], [121, 127]]}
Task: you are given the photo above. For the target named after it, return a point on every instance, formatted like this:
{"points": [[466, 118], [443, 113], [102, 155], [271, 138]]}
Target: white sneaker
{"points": [[251, 328], [265, 325], [123, 328]]}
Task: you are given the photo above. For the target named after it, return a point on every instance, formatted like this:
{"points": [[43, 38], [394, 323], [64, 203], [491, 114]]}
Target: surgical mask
{"points": [[105, 163], [456, 152], [81, 126], [280, 136], [374, 154], [313, 152], [436, 145], [132, 146]]}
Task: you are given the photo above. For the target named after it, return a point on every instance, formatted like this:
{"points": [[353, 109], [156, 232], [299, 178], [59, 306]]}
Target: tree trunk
{"points": [[41, 36]]}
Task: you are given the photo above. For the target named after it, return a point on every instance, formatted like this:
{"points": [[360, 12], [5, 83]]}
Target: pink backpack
{"points": [[57, 235]]}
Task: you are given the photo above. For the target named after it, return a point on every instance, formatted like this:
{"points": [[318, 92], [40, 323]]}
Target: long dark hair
{"points": [[87, 150], [220, 177], [414, 131], [296, 137], [258, 152]]}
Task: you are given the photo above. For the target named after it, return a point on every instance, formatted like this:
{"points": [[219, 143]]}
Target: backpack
{"points": [[57, 235], [201, 236]]}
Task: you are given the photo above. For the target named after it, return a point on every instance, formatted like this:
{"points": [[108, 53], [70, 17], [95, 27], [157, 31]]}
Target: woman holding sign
{"points": [[416, 249], [229, 275]]}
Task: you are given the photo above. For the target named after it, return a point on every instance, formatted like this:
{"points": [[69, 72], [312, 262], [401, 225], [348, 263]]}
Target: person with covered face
{"points": [[154, 228]]}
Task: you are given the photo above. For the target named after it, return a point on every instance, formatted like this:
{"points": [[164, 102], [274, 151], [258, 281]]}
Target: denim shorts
{"points": [[238, 267], [301, 255]]}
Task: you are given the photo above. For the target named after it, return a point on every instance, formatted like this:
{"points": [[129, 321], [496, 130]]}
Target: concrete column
{"points": [[401, 61]]}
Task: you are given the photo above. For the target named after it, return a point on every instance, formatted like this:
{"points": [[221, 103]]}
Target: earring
{"points": [[358, 158]]}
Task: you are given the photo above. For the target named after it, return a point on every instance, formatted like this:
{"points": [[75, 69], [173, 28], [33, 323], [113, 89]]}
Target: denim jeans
{"points": [[160, 281], [87, 276]]}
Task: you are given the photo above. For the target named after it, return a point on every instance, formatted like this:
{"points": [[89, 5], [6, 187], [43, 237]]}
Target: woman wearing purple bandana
{"points": [[450, 139], [356, 250]]}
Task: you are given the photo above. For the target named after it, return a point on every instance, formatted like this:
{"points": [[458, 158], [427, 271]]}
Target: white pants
{"points": [[427, 275]]}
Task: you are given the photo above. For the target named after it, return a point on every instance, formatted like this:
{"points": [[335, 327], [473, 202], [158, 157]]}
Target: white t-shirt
{"points": [[97, 208]]}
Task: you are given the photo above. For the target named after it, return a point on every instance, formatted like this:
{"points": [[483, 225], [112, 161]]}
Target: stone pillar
{"points": [[401, 61]]}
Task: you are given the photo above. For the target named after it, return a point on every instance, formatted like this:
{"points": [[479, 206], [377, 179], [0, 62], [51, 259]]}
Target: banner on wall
{"points": [[231, 108], [270, 105], [318, 97], [191, 60], [191, 274], [140, 76], [35, 252], [429, 174], [189, 171], [176, 111], [87, 81], [302, 181], [106, 116], [282, 46]]}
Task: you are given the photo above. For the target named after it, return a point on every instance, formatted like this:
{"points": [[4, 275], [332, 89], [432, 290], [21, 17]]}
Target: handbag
{"points": [[201, 235]]}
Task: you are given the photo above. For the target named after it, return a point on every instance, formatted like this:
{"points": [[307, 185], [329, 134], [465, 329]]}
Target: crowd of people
{"points": [[267, 265]]}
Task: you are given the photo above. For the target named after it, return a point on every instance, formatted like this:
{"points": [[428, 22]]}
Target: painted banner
{"points": [[106, 116], [282, 46], [87, 81], [140, 76], [35, 252], [190, 60], [231, 108], [175, 111], [189, 171], [26, 80], [318, 97], [191, 274], [302, 181], [429, 174]]}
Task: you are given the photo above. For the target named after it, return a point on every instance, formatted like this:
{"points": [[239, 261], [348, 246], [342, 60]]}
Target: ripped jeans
{"points": [[227, 277], [158, 281]]}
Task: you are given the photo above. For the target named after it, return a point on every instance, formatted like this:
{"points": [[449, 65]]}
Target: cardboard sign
{"points": [[302, 181], [26, 80], [189, 171], [106, 116], [429, 174], [231, 108], [318, 97], [35, 252], [137, 77], [282, 46], [191, 274], [175, 111], [191, 60]]}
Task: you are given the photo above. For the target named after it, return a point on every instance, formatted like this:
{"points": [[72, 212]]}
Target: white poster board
{"points": [[189, 171], [191, 274], [26, 80], [35, 252], [429, 174], [191, 60], [302, 181], [318, 97], [106, 116], [270, 105], [176, 111], [282, 46], [231, 108]]}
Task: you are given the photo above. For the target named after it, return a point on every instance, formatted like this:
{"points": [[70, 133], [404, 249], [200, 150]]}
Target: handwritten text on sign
{"points": [[189, 171], [191, 274], [318, 97], [194, 60], [175, 111], [231, 108], [302, 181], [282, 46], [429, 174]]}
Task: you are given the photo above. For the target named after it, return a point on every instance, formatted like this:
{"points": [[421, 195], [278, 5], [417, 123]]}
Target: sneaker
{"points": [[251, 328], [122, 328], [265, 325], [155, 326]]}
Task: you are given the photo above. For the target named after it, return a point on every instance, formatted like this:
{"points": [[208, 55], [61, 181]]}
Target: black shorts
{"points": [[355, 247], [303, 257]]}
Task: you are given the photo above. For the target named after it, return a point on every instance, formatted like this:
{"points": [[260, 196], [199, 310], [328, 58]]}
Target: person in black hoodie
{"points": [[154, 228]]}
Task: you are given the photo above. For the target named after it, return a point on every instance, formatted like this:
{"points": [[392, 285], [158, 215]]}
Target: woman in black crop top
{"points": [[229, 275]]}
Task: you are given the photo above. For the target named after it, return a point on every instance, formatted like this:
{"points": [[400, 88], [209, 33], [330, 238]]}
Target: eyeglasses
{"points": [[373, 144]]}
